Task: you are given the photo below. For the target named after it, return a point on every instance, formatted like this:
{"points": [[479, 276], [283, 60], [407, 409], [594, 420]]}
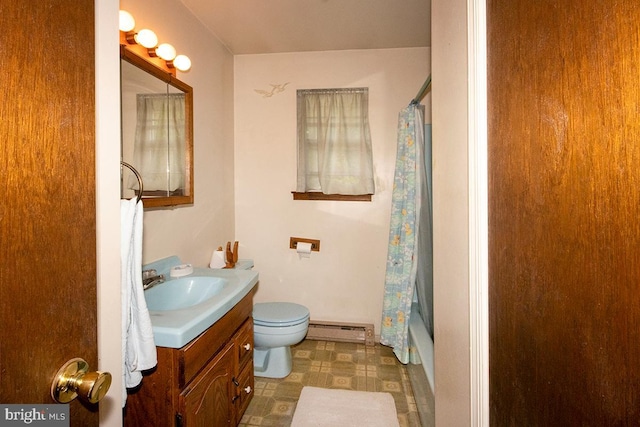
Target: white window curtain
{"points": [[160, 141], [334, 142]]}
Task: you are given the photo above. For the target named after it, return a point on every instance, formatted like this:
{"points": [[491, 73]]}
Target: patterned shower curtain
{"points": [[405, 209]]}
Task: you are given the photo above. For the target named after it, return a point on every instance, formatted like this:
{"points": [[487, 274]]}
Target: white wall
{"points": [[451, 213], [193, 231], [345, 280], [108, 206]]}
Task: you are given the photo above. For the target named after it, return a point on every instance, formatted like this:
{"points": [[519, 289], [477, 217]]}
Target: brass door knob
{"points": [[74, 380]]}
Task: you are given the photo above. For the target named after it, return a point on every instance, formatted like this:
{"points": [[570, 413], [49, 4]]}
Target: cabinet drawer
{"points": [[244, 390], [244, 343]]}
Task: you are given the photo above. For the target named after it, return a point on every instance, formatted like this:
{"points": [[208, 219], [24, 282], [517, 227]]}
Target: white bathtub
{"points": [[421, 370]]}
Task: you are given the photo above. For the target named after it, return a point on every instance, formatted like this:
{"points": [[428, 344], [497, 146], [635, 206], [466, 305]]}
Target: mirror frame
{"points": [[126, 54]]}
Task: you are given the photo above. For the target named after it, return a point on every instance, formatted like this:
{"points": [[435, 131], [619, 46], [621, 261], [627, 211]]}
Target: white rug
{"points": [[321, 407]]}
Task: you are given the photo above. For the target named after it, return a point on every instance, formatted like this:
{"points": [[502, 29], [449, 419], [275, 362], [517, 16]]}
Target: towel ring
{"points": [[138, 177]]}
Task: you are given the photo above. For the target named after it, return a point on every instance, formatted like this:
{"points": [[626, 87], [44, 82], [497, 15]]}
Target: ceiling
{"points": [[276, 26]]}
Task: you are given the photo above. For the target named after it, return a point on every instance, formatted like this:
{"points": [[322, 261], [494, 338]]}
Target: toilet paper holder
{"points": [[315, 243]]}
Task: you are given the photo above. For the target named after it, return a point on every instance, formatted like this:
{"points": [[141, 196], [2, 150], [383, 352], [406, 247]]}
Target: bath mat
{"points": [[320, 407]]}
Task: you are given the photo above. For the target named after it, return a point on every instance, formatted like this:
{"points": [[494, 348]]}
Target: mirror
{"points": [[157, 133]]}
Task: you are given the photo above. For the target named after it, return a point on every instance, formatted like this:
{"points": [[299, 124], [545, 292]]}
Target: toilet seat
{"points": [[279, 314]]}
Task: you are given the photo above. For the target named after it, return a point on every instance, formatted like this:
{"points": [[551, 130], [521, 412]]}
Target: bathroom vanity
{"points": [[208, 381]]}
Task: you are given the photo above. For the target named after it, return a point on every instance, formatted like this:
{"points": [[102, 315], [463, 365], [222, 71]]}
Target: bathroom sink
{"points": [[183, 292], [182, 308]]}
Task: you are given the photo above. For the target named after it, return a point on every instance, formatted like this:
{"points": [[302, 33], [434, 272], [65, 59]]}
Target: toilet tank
{"points": [[244, 264]]}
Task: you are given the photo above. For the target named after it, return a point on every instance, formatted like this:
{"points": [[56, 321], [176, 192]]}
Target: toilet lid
{"points": [[279, 314]]}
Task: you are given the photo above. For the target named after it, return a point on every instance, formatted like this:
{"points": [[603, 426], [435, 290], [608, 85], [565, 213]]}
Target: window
{"points": [[334, 144], [160, 120]]}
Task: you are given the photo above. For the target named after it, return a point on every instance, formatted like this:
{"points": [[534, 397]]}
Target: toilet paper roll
{"points": [[217, 259], [303, 249]]}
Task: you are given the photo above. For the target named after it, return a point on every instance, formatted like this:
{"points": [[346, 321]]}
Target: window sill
{"points": [[314, 195]]}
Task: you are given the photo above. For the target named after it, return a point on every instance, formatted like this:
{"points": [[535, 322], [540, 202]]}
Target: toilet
{"points": [[276, 327]]}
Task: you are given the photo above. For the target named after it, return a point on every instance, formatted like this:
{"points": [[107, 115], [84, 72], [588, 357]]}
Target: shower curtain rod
{"points": [[423, 91]]}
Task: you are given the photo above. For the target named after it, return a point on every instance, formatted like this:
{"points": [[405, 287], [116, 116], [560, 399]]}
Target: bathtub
{"points": [[420, 370]]}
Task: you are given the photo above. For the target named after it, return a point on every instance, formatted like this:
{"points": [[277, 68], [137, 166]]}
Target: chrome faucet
{"points": [[150, 278]]}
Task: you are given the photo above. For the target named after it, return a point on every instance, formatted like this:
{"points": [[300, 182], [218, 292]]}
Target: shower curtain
{"points": [[409, 259]]}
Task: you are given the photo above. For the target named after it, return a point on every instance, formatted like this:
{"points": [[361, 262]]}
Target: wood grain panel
{"points": [[207, 401], [564, 191], [47, 208]]}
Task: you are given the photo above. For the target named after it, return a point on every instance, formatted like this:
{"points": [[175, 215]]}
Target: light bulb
{"points": [[166, 52], [182, 62], [146, 38], [127, 23]]}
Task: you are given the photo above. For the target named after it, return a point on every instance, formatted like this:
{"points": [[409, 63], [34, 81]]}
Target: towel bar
{"points": [[138, 177]]}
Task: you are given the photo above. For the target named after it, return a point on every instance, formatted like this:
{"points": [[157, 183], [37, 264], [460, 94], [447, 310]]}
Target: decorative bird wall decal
{"points": [[274, 89]]}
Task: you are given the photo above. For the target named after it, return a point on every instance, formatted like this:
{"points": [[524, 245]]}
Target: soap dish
{"points": [[181, 270]]}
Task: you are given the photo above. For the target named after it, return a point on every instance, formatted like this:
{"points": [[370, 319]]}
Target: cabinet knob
{"points": [[235, 382], [247, 346], [247, 389]]}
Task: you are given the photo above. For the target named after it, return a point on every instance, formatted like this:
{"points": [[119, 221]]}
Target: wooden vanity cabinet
{"points": [[208, 382]]}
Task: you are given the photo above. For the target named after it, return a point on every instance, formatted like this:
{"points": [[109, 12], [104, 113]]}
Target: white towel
{"points": [[138, 346]]}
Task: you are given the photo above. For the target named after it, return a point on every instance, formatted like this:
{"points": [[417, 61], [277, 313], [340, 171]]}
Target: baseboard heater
{"points": [[343, 332]]}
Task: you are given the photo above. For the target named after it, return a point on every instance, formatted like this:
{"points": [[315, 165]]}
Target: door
{"points": [[564, 209], [47, 203], [207, 400]]}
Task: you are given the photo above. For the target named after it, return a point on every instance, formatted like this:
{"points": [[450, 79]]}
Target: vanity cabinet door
{"points": [[206, 401]]}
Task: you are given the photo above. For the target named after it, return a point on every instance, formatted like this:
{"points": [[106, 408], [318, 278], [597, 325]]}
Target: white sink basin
{"points": [[183, 308], [183, 292]]}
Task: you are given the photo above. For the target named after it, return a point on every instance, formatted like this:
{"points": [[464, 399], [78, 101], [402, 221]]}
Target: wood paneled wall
{"points": [[564, 207]]}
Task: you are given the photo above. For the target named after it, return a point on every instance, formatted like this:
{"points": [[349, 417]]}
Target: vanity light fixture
{"points": [[166, 52], [182, 63], [127, 23], [148, 39]]}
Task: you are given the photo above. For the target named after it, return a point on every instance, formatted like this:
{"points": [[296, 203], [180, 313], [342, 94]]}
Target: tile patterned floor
{"points": [[328, 364]]}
